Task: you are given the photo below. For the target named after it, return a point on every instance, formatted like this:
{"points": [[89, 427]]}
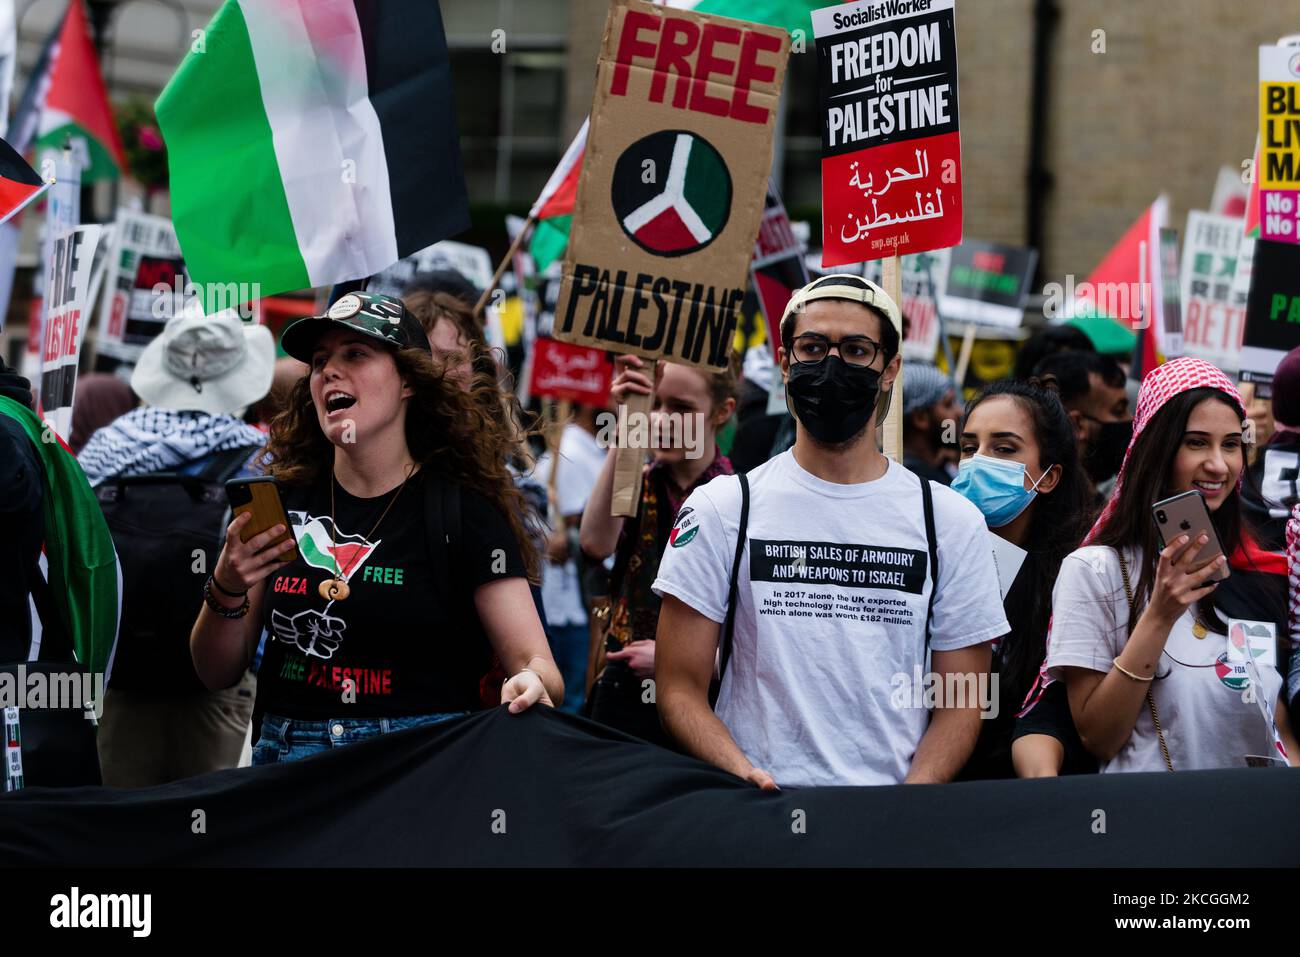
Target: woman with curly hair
{"points": [[365, 635]]}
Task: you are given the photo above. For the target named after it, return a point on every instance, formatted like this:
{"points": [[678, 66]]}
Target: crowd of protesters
{"points": [[806, 612]]}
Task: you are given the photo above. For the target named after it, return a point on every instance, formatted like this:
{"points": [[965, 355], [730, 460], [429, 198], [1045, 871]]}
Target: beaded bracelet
{"points": [[220, 609], [226, 591]]}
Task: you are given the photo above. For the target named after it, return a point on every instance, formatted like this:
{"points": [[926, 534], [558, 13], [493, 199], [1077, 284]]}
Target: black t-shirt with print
{"points": [[390, 648]]}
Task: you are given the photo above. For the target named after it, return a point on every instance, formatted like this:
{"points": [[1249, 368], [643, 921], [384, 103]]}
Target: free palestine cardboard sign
{"points": [[673, 184]]}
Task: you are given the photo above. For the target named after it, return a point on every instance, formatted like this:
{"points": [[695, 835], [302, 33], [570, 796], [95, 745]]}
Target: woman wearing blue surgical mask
{"points": [[1020, 467]]}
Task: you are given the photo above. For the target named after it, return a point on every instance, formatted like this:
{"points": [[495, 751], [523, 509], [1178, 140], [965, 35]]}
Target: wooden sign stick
{"points": [[501, 266], [892, 429], [963, 357], [630, 462]]}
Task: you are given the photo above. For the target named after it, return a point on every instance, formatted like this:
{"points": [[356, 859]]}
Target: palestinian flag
{"points": [[1129, 277], [553, 211], [19, 183], [311, 142], [74, 101], [323, 546], [84, 576]]}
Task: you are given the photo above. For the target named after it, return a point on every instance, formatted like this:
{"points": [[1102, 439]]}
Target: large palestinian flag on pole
{"points": [[311, 142], [74, 101]]}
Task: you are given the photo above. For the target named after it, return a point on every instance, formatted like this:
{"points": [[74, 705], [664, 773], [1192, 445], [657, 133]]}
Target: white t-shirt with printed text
{"points": [[833, 591], [581, 459], [1208, 719]]}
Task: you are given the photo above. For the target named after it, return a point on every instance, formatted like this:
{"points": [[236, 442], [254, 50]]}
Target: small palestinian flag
{"points": [[19, 183], [553, 211], [312, 141], [74, 100], [334, 552]]}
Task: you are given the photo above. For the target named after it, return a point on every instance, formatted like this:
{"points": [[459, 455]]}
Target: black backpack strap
{"points": [[729, 626], [932, 540]]}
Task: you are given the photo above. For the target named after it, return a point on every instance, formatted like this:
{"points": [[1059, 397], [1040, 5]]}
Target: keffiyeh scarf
{"points": [[148, 440]]}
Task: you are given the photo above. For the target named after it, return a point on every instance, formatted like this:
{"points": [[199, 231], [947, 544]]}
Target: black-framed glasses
{"points": [[813, 347]]}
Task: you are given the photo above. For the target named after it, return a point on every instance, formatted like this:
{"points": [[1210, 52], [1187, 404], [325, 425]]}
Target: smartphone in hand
{"points": [[1186, 514], [261, 497]]}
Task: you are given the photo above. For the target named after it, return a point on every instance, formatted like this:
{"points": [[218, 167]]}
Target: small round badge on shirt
{"points": [[345, 308]]}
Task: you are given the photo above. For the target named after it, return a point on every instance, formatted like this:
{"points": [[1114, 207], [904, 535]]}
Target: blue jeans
{"points": [[569, 646], [287, 739]]}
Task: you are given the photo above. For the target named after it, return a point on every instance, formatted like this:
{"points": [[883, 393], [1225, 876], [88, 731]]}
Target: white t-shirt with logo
{"points": [[833, 591], [1207, 718], [581, 458]]}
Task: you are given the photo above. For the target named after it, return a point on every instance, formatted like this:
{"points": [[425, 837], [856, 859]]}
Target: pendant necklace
{"points": [[1199, 631], [336, 588]]}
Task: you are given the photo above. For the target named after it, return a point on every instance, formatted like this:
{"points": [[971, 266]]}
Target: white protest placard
{"points": [[923, 279], [146, 284], [1214, 309], [472, 262], [72, 254]]}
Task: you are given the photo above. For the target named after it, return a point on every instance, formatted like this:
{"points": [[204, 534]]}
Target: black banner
{"points": [[547, 789]]}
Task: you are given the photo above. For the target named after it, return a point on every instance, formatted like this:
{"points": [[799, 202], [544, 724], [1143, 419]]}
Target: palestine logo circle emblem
{"points": [[1233, 674], [671, 192], [684, 529]]}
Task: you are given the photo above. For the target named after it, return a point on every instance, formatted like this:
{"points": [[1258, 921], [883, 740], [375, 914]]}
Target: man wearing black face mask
{"points": [[1092, 390], [835, 593]]}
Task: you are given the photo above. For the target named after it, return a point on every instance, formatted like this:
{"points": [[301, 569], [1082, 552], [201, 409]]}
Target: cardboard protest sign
{"points": [[146, 284], [67, 296], [575, 373], [1279, 156], [672, 184], [472, 262], [891, 152], [1214, 312], [988, 283], [1272, 313], [778, 267]]}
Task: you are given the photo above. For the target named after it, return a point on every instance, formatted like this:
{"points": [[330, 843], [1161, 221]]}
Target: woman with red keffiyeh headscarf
{"points": [[1159, 687]]}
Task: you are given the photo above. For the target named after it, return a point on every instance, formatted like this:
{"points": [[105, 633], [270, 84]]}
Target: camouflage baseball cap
{"points": [[368, 313]]}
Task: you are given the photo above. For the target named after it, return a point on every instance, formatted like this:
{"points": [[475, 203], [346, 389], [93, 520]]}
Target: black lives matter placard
{"points": [[833, 563], [891, 151]]}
